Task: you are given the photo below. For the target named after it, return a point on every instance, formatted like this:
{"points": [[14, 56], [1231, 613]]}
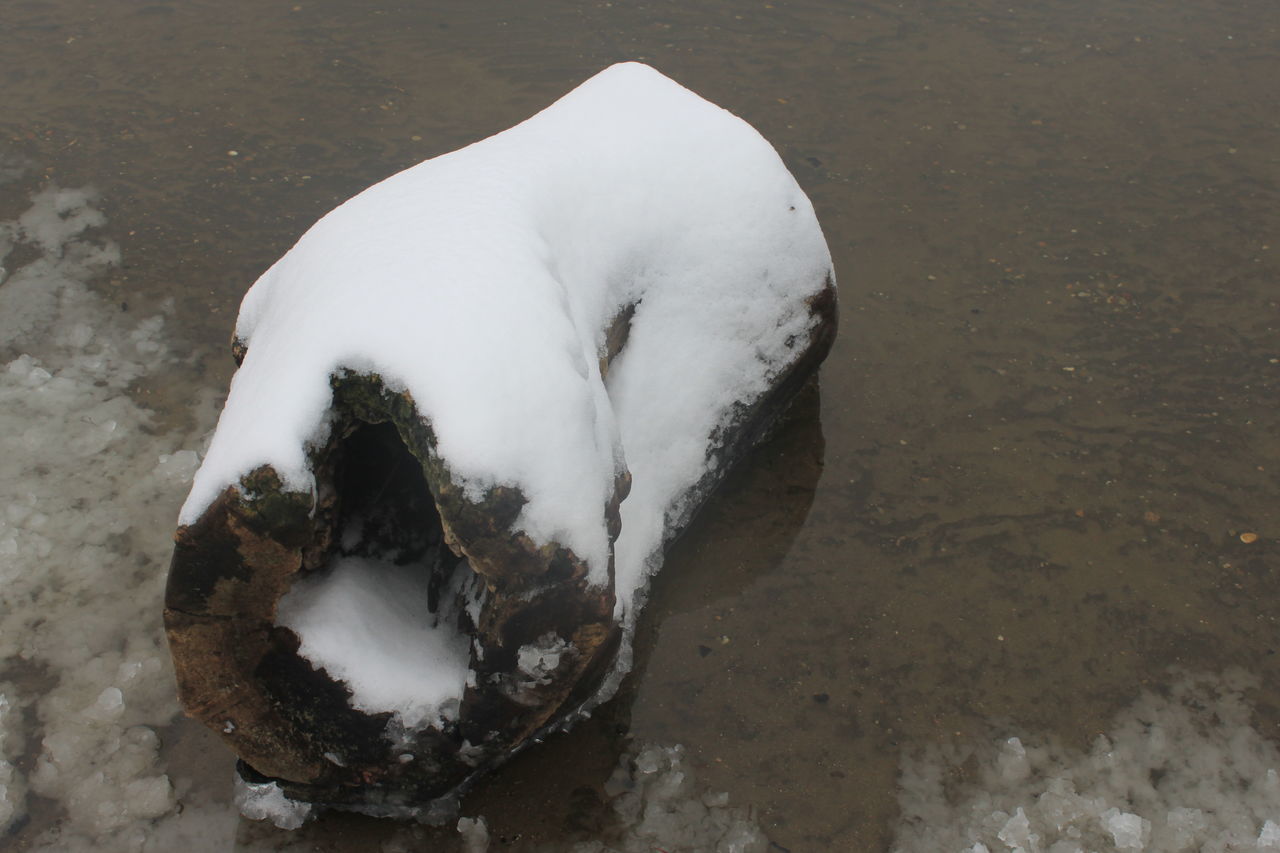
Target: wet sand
{"points": [[1048, 419]]}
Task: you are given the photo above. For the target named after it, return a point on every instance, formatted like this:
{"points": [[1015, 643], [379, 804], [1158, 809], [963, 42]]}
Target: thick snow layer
{"points": [[84, 519], [483, 281], [1175, 774], [364, 619]]}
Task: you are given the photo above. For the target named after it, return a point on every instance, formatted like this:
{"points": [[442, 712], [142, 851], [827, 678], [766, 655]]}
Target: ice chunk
{"points": [[1013, 763], [1128, 830], [59, 215], [1269, 837], [539, 660], [655, 795], [714, 800], [475, 834], [265, 801], [1016, 832], [148, 797], [178, 467], [108, 706]]}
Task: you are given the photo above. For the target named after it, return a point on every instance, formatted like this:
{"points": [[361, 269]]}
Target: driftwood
{"points": [[694, 257], [241, 674]]}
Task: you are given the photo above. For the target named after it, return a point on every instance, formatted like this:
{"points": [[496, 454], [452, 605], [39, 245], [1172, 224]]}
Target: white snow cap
{"points": [[482, 282]]}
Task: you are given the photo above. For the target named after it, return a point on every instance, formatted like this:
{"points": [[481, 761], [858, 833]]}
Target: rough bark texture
{"points": [[241, 674]]}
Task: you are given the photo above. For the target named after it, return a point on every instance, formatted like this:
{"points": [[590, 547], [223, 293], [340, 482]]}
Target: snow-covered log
{"points": [[474, 404]]}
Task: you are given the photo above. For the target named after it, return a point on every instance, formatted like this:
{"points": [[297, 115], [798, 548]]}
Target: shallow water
{"points": [[1048, 419]]}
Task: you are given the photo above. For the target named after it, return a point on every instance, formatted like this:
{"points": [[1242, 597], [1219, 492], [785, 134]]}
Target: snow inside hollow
{"points": [[1178, 773], [364, 619], [483, 281]]}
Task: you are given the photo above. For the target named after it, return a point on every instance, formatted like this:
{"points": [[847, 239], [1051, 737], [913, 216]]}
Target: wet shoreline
{"points": [[1048, 419]]}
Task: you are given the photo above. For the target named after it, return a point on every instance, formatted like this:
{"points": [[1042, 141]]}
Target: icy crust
{"points": [[1175, 774], [364, 619], [89, 490], [482, 282]]}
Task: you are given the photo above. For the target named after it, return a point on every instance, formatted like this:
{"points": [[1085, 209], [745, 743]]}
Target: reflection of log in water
{"points": [[742, 532], [748, 524]]}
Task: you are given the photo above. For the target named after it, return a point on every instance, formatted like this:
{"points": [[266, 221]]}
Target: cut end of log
{"points": [[381, 494]]}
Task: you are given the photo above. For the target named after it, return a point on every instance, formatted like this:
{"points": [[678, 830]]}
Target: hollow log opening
{"points": [[384, 508], [383, 608], [381, 640]]}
